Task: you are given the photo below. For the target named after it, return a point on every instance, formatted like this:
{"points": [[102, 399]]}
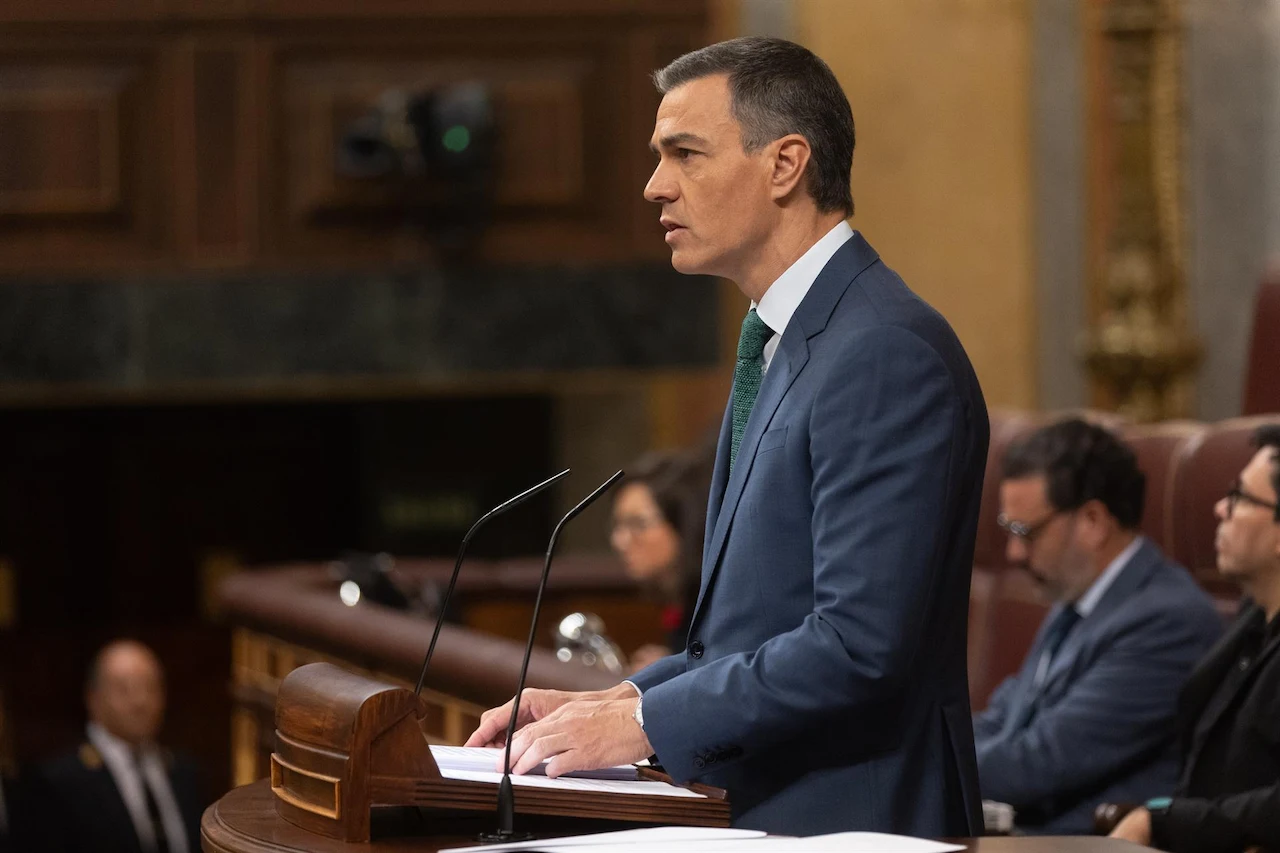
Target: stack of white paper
{"points": [[488, 759], [476, 764]]}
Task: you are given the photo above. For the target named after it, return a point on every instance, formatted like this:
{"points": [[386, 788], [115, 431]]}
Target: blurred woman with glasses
{"points": [[659, 520]]}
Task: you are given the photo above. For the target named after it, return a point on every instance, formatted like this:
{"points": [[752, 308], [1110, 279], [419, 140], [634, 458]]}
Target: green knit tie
{"points": [[746, 375]]}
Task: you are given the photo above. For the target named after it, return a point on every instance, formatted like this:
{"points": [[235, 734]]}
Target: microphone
{"points": [[462, 550], [506, 797]]}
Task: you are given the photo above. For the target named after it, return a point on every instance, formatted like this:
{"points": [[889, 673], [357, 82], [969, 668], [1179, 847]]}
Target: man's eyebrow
{"points": [[677, 139]]}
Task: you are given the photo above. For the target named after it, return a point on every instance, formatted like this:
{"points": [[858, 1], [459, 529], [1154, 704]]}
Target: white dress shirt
{"points": [[1086, 603], [783, 297], [117, 755]]}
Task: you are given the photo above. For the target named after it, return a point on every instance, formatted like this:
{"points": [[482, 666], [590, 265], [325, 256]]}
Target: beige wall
{"points": [[942, 180]]}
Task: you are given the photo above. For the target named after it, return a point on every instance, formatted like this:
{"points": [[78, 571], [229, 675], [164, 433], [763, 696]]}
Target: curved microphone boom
{"points": [[506, 797], [462, 550]]}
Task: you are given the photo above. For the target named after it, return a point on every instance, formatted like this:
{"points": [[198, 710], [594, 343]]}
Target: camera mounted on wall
{"points": [[438, 147]]}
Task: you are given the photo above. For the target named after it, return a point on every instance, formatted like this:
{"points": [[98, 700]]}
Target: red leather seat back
{"points": [[1262, 370], [1157, 447], [1014, 615]]}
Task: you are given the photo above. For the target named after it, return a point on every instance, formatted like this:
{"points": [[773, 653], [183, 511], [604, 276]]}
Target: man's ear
{"points": [[1098, 521], [790, 161]]}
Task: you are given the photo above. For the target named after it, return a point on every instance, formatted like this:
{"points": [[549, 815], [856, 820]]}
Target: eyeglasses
{"points": [[1021, 530], [1236, 494], [634, 525]]}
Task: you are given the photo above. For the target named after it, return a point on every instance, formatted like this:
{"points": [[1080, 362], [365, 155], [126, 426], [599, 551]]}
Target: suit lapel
{"points": [[719, 477], [1144, 562], [112, 807], [776, 382]]}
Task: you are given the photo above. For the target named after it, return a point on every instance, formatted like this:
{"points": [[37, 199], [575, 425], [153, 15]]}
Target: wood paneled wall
{"points": [[172, 133], [942, 176]]}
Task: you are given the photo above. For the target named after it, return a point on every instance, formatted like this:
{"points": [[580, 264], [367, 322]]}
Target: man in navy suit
{"points": [[823, 683], [1091, 716]]}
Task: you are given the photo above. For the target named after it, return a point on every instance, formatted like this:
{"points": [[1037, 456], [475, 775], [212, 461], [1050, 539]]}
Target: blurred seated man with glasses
{"points": [[1227, 797], [1090, 717]]}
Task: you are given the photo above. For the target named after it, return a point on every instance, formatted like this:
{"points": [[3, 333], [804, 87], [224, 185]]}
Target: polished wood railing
{"points": [[286, 617]]}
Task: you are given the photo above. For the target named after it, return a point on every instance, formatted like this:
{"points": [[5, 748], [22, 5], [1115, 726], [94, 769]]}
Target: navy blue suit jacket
{"points": [[1104, 727], [824, 683]]}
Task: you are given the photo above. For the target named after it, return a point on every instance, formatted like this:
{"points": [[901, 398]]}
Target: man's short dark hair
{"points": [[778, 87], [1081, 462], [1268, 435]]}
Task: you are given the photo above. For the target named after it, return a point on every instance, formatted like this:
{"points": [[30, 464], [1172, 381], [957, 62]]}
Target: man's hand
{"points": [[534, 705], [582, 735], [1135, 827]]}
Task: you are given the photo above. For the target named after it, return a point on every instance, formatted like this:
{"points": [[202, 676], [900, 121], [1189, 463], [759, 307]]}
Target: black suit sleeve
{"points": [[1223, 825]]}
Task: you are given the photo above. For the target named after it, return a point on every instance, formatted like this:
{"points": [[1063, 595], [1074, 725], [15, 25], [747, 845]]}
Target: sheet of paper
{"points": [[653, 835], [857, 842], [485, 758], [564, 783], [843, 842]]}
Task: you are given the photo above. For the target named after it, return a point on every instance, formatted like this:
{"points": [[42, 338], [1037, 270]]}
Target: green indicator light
{"points": [[457, 138]]}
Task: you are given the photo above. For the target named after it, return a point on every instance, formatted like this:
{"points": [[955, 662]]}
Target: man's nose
{"points": [[660, 189], [1015, 550]]}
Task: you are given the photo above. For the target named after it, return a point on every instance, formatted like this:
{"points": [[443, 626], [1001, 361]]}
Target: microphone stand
{"points": [[462, 550], [506, 796]]}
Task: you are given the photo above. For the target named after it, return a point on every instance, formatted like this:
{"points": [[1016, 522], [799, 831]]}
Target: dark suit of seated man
{"points": [[1090, 717], [120, 792], [1227, 797]]}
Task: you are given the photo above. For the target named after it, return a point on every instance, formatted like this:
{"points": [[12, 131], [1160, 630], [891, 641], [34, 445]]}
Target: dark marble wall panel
{"points": [[73, 331], [132, 333]]}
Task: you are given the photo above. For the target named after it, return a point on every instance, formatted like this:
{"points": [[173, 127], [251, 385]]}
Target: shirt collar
{"points": [[1087, 602], [112, 748], [783, 297]]}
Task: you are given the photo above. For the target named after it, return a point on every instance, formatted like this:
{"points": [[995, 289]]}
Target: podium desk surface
{"points": [[245, 821]]}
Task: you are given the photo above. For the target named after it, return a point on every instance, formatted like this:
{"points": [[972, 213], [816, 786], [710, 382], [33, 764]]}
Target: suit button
{"points": [[699, 763], [695, 649]]}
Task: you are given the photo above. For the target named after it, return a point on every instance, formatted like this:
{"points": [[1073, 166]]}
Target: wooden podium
{"points": [[245, 821], [346, 743]]}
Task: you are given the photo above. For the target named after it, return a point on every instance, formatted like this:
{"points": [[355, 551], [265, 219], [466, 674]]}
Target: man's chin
{"points": [[1228, 569], [688, 263]]}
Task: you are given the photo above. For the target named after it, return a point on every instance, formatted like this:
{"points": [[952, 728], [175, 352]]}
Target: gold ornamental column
{"points": [[1139, 349]]}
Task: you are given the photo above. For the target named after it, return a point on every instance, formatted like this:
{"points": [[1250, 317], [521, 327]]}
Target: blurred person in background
{"points": [[121, 792], [1228, 793], [1091, 715], [659, 521]]}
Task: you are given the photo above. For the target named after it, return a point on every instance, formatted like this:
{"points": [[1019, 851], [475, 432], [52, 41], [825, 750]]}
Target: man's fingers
{"points": [[562, 763], [537, 750], [492, 723]]}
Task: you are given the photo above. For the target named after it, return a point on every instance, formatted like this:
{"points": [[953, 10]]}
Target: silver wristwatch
{"points": [[638, 713]]}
